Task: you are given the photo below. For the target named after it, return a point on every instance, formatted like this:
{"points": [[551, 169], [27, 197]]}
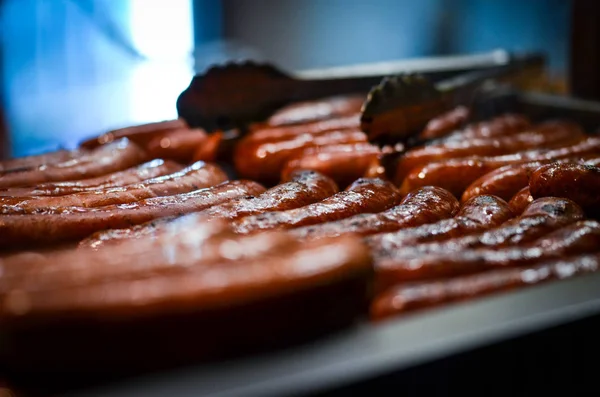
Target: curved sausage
{"points": [[106, 159], [197, 176], [504, 125], [426, 205], [544, 135], [541, 217], [263, 161], [139, 134], [445, 123], [406, 298], [577, 238], [363, 196], [149, 170], [43, 229], [320, 109], [506, 181], [456, 175], [269, 133], [520, 200], [210, 148], [476, 215], [343, 163], [305, 187], [179, 145], [28, 162], [578, 182]]}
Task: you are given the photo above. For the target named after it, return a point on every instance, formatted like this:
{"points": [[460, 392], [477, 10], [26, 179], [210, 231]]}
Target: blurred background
{"points": [[70, 69]]}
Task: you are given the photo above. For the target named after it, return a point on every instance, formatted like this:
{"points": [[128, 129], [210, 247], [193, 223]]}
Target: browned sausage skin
{"points": [[364, 195], [34, 161], [263, 161], [106, 159], [44, 229], [456, 175], [426, 205], [269, 133], [151, 169], [544, 135], [408, 297], [577, 238], [476, 215], [140, 134], [343, 163], [445, 123], [197, 176], [578, 182], [541, 217], [520, 200], [320, 109], [179, 145]]}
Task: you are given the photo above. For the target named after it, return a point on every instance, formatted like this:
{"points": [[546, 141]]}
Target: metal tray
{"points": [[369, 351]]}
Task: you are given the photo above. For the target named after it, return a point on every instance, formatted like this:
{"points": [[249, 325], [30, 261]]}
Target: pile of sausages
{"points": [[142, 224]]}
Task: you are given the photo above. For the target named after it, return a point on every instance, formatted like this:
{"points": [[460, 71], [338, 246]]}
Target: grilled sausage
{"points": [[197, 176], [343, 163], [544, 135], [426, 205], [506, 181], [264, 161], [321, 109], [210, 148], [577, 238], [305, 187], [445, 123], [214, 300], [541, 217], [179, 145], [504, 125], [149, 170], [139, 134], [113, 157], [43, 229], [476, 215], [456, 175], [29, 162], [578, 182], [405, 298], [269, 133], [520, 201], [363, 196]]}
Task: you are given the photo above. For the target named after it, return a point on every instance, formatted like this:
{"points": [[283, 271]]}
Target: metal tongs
{"points": [[236, 94]]}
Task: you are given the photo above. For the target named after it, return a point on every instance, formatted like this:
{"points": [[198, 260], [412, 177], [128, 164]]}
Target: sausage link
{"points": [[406, 298], [269, 133], [504, 125], [305, 187], [264, 161], [577, 238], [210, 148], [189, 283], [541, 217], [29, 162], [520, 200], [343, 163], [426, 205], [476, 215], [456, 175], [45, 229], [506, 181], [197, 176], [321, 109], [363, 196], [544, 135], [149, 170], [445, 123], [106, 159], [578, 182], [179, 145], [139, 134]]}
